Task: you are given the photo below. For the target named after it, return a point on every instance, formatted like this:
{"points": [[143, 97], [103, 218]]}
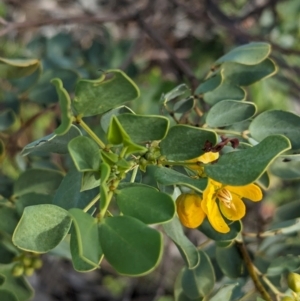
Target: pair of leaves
{"points": [[129, 245]]}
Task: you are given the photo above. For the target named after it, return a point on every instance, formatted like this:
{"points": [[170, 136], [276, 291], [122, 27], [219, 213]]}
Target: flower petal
{"points": [[251, 192], [215, 218], [210, 207], [208, 157], [236, 211], [189, 210]]}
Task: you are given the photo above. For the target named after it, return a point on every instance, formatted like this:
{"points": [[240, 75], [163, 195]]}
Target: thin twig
{"points": [[250, 267]]}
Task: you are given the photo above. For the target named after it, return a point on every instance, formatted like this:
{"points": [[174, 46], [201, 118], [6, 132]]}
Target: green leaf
{"points": [[264, 180], [16, 68], [144, 128], [41, 228], [38, 181], [287, 211], [86, 232], [117, 135], [177, 91], [230, 261], [249, 54], [224, 293], [210, 232], [187, 250], [106, 117], [246, 166], [185, 142], [130, 246], [45, 93], [7, 119], [178, 291], [68, 194], [65, 107], [210, 84], [85, 153], [200, 281], [286, 170], [93, 97], [31, 199], [168, 176], [7, 295], [146, 204], [18, 286], [285, 227], [90, 180], [277, 122], [105, 173], [52, 143], [283, 264], [8, 219], [184, 105], [228, 112], [79, 264], [226, 91], [245, 75]]}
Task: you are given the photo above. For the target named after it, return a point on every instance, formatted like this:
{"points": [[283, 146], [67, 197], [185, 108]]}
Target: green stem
{"points": [[251, 269], [90, 132], [134, 173], [91, 203], [109, 197], [123, 152]]}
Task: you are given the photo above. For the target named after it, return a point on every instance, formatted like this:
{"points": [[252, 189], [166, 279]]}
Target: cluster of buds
{"points": [[26, 264]]}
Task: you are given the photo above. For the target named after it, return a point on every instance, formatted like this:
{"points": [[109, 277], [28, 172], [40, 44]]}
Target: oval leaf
{"points": [[230, 261], [41, 228], [243, 75], [146, 204], [249, 54], [187, 250], [37, 180], [93, 97], [277, 122], [52, 143], [168, 176], [185, 142], [129, 245], [246, 166], [144, 128], [16, 68], [85, 153], [7, 119], [228, 112], [86, 232], [227, 90], [200, 281]]}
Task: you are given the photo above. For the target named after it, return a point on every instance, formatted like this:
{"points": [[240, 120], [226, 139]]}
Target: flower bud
{"points": [[27, 261], [287, 298], [294, 282], [18, 270], [29, 271], [189, 210], [37, 263]]}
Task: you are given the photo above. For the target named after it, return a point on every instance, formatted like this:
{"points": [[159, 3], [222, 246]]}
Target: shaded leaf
{"points": [[130, 246], [41, 228], [93, 97]]}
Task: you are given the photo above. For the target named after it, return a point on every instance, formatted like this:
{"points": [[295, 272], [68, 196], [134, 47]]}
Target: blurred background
{"points": [[159, 44]]}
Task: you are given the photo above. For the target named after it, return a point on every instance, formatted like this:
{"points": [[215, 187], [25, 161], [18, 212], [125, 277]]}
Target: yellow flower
{"points": [[204, 159], [219, 198]]}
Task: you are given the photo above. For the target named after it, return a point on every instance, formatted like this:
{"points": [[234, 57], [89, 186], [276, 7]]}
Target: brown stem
{"points": [[243, 250]]}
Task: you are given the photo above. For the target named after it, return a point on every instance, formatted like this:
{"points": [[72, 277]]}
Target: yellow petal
{"points": [[189, 210], [215, 218], [236, 211], [208, 157], [251, 192]]}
